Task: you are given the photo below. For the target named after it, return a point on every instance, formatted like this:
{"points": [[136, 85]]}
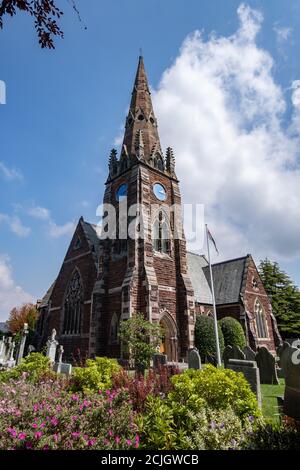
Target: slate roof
{"points": [[46, 298], [196, 264], [228, 278]]}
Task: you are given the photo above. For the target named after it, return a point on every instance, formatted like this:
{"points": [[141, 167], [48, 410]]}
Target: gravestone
{"points": [[194, 360], [11, 361], [251, 373], [232, 352], [249, 353], [51, 346], [267, 366], [22, 343], [291, 404], [62, 368], [31, 349], [159, 360]]}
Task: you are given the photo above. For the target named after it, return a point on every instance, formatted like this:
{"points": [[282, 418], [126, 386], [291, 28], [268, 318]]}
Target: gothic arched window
{"points": [[73, 306], [161, 234], [260, 319], [114, 327]]}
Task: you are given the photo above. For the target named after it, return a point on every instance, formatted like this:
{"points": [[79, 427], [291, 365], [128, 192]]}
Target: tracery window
{"points": [[161, 234], [260, 319], [73, 306]]}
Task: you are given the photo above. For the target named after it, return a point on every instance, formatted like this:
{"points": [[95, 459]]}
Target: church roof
{"points": [[46, 298], [196, 264], [227, 275]]}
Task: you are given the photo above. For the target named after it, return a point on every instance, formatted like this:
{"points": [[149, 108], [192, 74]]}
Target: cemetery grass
{"points": [[269, 400]]}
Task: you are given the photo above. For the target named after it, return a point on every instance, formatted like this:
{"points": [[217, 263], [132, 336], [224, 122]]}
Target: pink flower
{"points": [[35, 407], [128, 442], [55, 437], [74, 418], [28, 445], [91, 442], [54, 421], [34, 425], [22, 436], [38, 434], [137, 439], [106, 442], [118, 440], [75, 434], [110, 433], [75, 397], [110, 411], [12, 432], [42, 425]]}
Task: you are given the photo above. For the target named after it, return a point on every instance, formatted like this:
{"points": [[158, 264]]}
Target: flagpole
{"points": [[214, 302]]}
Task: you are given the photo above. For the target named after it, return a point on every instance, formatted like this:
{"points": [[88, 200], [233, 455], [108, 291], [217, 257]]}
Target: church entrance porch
{"points": [[169, 344]]}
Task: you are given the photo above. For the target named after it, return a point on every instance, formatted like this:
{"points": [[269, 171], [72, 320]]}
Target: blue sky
{"points": [[65, 110]]}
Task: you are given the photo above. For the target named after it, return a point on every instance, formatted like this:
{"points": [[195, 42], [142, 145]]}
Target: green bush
{"points": [[207, 409], [233, 332], [273, 436], [218, 388], [205, 338], [35, 365], [95, 376]]}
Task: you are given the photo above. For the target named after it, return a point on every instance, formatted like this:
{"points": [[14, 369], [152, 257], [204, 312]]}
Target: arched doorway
{"points": [[169, 344]]}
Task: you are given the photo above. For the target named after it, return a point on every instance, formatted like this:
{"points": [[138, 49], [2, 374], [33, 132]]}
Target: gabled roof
{"points": [[196, 264], [46, 298], [228, 278]]}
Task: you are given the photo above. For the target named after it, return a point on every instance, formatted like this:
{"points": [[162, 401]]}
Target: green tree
{"points": [[205, 339], [233, 332], [141, 339], [284, 296]]}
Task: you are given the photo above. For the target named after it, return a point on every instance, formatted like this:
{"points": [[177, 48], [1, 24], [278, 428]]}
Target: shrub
{"points": [[205, 338], [218, 388], [140, 387], [95, 376], [35, 366], [273, 436], [141, 339], [217, 430], [233, 332], [48, 417]]}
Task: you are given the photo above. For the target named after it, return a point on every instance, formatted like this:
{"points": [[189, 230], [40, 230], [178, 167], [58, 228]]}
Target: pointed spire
{"points": [[141, 115], [170, 161], [113, 162]]}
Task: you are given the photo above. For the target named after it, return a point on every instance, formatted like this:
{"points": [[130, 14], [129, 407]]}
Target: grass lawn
{"points": [[269, 399]]}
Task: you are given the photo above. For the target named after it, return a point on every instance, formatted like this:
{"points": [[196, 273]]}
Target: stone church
{"points": [[104, 280]]}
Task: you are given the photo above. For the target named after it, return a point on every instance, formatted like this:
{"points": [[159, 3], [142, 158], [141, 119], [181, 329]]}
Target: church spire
{"points": [[141, 117]]}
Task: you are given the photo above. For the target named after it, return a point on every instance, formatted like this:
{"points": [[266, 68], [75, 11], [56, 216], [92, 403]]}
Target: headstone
{"points": [[291, 404], [267, 366], [51, 346], [232, 352], [194, 359], [159, 360], [31, 349], [62, 368], [22, 343], [60, 354], [251, 373], [249, 354], [280, 351], [11, 361]]}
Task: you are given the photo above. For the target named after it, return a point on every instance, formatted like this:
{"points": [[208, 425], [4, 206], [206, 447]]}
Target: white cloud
{"points": [[11, 294], [53, 229], [39, 213], [221, 109], [56, 231], [282, 33], [16, 226], [10, 174]]}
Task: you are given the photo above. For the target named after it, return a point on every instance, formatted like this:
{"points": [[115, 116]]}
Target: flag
{"points": [[212, 239]]}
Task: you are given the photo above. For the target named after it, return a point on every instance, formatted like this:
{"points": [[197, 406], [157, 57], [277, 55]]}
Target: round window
{"points": [[160, 191], [121, 193]]}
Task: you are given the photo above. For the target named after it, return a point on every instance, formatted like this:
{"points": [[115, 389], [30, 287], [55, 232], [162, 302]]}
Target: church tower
{"points": [[142, 263]]}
